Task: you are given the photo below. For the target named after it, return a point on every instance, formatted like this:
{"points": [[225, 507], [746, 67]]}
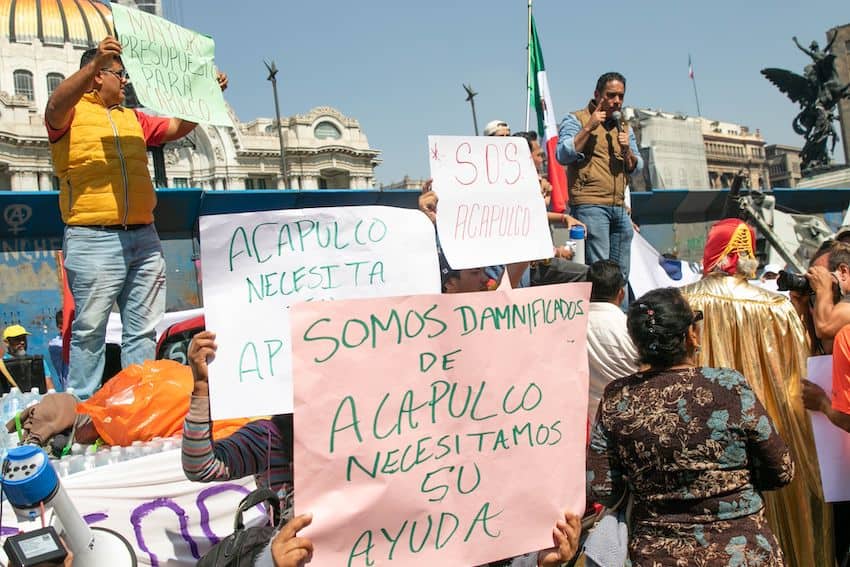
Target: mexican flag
{"points": [[547, 126]]}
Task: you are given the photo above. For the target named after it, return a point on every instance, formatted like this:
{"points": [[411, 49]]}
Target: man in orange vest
{"points": [[106, 197]]}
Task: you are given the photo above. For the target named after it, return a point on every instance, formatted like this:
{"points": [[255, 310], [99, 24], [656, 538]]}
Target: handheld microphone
{"points": [[617, 116]]}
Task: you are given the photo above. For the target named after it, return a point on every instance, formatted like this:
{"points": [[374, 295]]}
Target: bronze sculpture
{"points": [[818, 91]]}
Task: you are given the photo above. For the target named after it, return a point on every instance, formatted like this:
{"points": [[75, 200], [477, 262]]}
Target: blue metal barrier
{"points": [[31, 234]]}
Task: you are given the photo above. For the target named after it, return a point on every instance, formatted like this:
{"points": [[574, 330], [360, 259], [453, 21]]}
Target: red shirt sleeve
{"points": [[841, 370], [53, 134], [153, 127]]}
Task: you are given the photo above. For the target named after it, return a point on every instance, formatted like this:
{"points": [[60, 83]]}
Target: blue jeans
{"points": [[106, 266], [609, 234]]}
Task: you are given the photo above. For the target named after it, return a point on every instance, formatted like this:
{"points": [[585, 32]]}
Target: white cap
{"points": [[771, 268], [494, 126]]}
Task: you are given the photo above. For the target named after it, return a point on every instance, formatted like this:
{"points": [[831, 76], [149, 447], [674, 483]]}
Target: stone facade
{"points": [[783, 164], [730, 148], [683, 152], [672, 148], [324, 148]]}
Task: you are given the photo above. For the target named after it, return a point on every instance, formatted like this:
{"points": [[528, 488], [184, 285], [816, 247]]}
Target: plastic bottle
{"points": [[576, 243], [32, 397], [4, 446], [12, 403], [62, 466], [115, 455], [134, 451], [75, 463], [89, 461], [102, 457]]}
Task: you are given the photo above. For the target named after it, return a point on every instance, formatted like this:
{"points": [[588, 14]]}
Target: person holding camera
{"points": [[829, 283], [818, 295]]}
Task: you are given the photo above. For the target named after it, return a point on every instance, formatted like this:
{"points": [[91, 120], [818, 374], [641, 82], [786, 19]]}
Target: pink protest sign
{"points": [[439, 429]]}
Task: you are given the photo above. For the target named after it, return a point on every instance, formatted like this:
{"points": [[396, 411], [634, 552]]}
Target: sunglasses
{"points": [[697, 316], [122, 74]]}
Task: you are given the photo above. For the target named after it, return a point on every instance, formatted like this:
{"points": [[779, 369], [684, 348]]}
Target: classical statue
{"points": [[818, 91]]}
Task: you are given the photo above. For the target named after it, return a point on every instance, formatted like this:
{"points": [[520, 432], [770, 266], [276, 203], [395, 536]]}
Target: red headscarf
{"points": [[728, 237]]}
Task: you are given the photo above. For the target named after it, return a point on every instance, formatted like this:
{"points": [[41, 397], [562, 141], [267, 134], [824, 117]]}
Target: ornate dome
{"points": [[82, 23]]}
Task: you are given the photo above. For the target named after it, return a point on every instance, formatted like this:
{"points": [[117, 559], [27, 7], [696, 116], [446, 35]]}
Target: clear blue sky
{"points": [[398, 65]]}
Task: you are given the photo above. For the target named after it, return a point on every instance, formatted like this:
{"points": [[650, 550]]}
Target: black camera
{"points": [[789, 281]]}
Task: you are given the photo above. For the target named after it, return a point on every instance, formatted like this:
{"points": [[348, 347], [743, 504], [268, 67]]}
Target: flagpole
{"points": [[528, 73], [694, 81]]}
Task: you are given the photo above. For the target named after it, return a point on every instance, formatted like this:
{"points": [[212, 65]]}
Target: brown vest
{"points": [[600, 178]]}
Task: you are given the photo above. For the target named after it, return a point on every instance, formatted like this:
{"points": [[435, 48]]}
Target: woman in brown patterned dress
{"points": [[693, 446]]}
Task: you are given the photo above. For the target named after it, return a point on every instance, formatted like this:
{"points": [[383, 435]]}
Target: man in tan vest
{"points": [[600, 152], [106, 197]]}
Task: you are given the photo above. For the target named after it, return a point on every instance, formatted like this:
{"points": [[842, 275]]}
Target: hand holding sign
{"points": [[565, 536], [201, 352], [289, 550], [107, 51], [222, 80]]}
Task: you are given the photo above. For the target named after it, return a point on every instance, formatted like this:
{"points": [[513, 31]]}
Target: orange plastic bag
{"points": [[144, 401]]}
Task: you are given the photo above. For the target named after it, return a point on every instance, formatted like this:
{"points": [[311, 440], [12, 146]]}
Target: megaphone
{"points": [[32, 487]]}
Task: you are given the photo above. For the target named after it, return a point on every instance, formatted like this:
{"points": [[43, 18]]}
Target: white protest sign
{"points": [[167, 519], [831, 442], [255, 265], [491, 210]]}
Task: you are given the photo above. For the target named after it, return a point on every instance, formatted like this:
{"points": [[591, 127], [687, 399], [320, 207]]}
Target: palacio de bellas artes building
{"points": [[40, 44]]}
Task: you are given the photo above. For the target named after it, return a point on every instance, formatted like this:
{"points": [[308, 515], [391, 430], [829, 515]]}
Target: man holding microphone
{"points": [[600, 152]]}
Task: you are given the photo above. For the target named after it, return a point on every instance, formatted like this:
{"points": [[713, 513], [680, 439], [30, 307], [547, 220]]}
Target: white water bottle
{"points": [[115, 455], [576, 243], [13, 403], [31, 398]]}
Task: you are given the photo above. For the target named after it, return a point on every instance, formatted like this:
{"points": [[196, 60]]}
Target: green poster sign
{"points": [[172, 69]]}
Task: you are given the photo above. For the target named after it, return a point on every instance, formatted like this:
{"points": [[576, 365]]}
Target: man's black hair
{"points": [[607, 280], [607, 78], [530, 136], [87, 56]]}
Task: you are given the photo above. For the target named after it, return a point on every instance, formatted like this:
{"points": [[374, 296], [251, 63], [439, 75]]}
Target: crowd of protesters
{"points": [[696, 401]]}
